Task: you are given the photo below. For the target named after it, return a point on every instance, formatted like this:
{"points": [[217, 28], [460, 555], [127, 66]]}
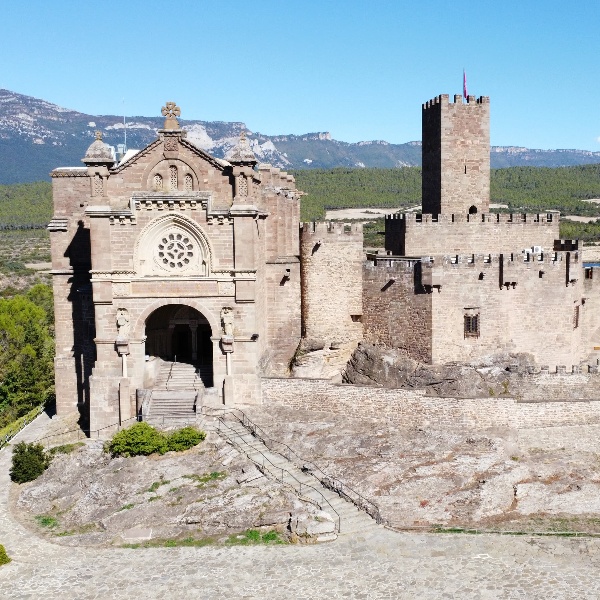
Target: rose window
{"points": [[175, 251]]}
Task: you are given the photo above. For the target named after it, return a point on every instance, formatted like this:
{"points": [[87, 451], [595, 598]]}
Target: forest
{"points": [[522, 189]]}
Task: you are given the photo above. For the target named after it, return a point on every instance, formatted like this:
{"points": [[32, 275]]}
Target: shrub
{"points": [[29, 461], [139, 439], [4, 559], [183, 439], [143, 439]]}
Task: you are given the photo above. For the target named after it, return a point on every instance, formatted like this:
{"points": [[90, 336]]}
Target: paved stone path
{"points": [[381, 564]]}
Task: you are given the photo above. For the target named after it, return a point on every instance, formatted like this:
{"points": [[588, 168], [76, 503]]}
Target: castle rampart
{"points": [[423, 234]]}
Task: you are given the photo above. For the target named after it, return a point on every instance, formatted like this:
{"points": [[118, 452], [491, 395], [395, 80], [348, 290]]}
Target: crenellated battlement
{"points": [[332, 228], [512, 218], [444, 100]]}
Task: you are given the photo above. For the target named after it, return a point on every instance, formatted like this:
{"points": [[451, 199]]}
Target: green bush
{"points": [[29, 461], [183, 439], [3, 556], [143, 439], [139, 439]]}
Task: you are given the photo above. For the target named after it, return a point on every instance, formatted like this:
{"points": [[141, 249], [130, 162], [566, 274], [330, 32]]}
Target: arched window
{"points": [[157, 182], [473, 210], [173, 177], [188, 183]]}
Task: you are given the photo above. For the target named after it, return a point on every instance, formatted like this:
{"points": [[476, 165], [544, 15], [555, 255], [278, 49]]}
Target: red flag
{"points": [[465, 93]]}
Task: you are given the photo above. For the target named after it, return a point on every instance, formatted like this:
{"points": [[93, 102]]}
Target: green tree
{"points": [[26, 354]]}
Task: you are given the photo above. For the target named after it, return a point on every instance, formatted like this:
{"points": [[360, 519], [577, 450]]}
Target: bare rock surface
{"points": [[211, 491], [385, 367], [525, 480]]}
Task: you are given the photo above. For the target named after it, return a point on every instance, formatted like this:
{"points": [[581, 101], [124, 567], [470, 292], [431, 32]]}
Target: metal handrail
{"points": [[170, 374], [262, 469], [309, 467]]}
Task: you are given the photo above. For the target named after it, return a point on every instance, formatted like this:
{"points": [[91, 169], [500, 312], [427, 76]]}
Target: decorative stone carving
{"points": [[242, 186], [175, 251], [227, 321], [98, 187], [171, 111], [188, 183], [122, 323], [171, 144], [157, 182]]}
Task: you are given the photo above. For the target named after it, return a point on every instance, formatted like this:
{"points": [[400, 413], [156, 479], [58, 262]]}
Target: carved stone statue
{"points": [[122, 323], [227, 320]]}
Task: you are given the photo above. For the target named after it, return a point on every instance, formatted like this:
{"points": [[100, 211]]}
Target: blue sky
{"points": [[358, 69]]}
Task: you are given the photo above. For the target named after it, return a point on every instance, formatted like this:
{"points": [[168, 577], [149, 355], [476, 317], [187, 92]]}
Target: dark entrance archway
{"points": [[176, 332]]}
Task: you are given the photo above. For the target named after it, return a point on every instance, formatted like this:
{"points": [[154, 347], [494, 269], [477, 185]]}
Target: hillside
{"points": [[37, 136]]}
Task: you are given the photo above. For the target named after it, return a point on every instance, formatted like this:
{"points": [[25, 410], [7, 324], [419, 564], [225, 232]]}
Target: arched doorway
{"points": [[176, 332]]}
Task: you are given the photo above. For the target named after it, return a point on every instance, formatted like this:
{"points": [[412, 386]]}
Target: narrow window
{"points": [[173, 177], [576, 318], [471, 325], [157, 182], [188, 183]]}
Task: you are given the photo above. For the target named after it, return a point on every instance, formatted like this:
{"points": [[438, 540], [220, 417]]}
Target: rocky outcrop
{"points": [[384, 367]]}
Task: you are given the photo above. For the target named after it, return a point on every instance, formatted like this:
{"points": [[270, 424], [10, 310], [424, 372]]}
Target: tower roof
{"points": [[98, 152], [242, 154]]}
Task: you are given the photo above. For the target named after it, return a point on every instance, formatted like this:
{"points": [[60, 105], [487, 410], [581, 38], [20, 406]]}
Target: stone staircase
{"points": [[174, 395], [172, 408], [178, 376], [352, 521]]}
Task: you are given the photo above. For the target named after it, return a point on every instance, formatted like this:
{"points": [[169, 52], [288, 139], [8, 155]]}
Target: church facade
{"points": [[175, 254]]}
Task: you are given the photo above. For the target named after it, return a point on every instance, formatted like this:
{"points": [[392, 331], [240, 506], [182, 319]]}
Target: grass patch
{"points": [[207, 477], [157, 484], [252, 537], [154, 498], [46, 521], [65, 448], [126, 507], [173, 543]]}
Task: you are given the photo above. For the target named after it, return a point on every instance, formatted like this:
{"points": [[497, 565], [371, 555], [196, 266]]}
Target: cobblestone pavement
{"points": [[384, 564]]}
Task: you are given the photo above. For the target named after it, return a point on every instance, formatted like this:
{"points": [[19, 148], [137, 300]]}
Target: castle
{"points": [[174, 254]]}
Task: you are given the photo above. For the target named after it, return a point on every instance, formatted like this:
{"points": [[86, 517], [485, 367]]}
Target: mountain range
{"points": [[36, 136]]}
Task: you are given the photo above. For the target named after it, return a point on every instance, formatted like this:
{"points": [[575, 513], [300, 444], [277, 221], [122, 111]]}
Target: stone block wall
{"points": [[397, 312], [533, 306], [407, 408]]}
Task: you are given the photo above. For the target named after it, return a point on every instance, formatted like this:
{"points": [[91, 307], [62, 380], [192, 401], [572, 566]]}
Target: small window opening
{"points": [[471, 325], [589, 273], [576, 317], [473, 210]]}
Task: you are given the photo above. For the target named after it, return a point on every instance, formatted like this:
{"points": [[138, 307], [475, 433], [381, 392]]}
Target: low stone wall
{"points": [[409, 408]]}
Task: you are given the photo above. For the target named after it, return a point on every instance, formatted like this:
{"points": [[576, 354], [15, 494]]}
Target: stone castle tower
{"points": [[456, 155]]}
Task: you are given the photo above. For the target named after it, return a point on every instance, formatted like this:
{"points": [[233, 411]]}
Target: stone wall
{"points": [[332, 309], [426, 234], [395, 313], [456, 155], [412, 409], [540, 304]]}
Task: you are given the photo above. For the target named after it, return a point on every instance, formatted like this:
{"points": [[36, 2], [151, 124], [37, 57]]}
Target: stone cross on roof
{"points": [[171, 111]]}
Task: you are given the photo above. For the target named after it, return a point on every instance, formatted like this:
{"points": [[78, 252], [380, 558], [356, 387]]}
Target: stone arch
{"points": [[161, 167], [173, 244], [138, 330]]}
